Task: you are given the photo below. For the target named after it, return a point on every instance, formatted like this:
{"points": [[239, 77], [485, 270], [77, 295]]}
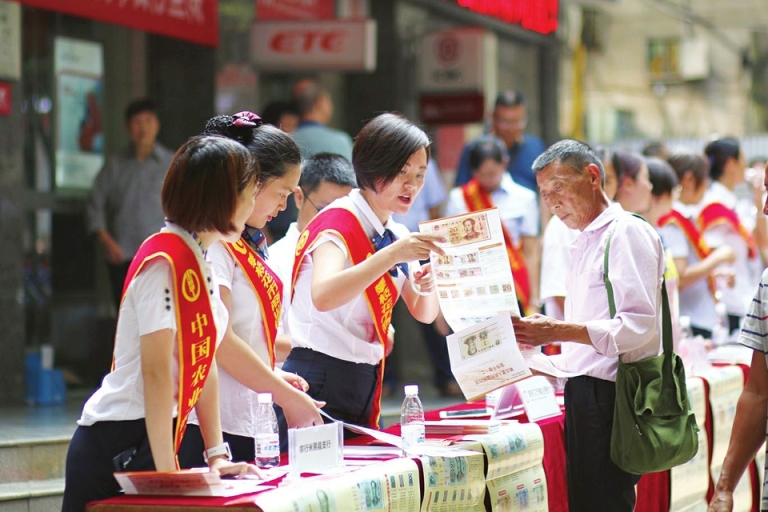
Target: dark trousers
{"points": [[346, 388], [734, 323], [595, 483], [96, 452], [704, 333], [117, 275], [438, 357], [192, 446]]}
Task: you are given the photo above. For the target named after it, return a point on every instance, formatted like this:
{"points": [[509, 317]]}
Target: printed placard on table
{"points": [[316, 449], [538, 398]]}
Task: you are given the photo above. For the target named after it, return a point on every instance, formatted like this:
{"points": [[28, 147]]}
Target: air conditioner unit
{"points": [[694, 58]]}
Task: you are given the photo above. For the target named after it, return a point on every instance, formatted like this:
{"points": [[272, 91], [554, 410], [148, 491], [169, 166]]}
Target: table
{"points": [[653, 490]]}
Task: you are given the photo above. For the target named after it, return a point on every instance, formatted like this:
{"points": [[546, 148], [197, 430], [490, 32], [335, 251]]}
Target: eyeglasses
{"points": [[306, 196]]}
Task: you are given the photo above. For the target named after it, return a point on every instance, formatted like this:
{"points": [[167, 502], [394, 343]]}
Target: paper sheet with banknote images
{"points": [[453, 481], [689, 482], [473, 277], [485, 356], [391, 486], [515, 477]]}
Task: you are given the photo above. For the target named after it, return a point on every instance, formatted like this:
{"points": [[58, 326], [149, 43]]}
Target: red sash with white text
{"points": [[265, 284], [476, 198], [381, 295], [195, 326], [693, 235], [718, 213]]}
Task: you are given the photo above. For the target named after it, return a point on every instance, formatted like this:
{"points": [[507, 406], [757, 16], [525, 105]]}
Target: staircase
{"points": [[33, 450]]}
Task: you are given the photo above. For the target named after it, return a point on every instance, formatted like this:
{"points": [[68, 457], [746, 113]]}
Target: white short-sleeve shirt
{"points": [[148, 307], [518, 207], [238, 404], [746, 269], [282, 254], [696, 301], [555, 263], [347, 332]]}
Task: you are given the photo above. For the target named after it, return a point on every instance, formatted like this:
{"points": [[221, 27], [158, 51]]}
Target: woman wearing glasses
{"points": [[252, 293]]}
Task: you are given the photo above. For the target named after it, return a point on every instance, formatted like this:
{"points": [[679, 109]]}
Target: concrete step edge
{"points": [[31, 489], [25, 441]]}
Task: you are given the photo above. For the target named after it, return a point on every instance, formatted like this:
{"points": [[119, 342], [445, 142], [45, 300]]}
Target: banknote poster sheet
{"points": [[513, 449], [485, 356], [473, 277], [689, 482], [725, 386], [189, 482], [453, 484], [522, 491], [391, 486]]}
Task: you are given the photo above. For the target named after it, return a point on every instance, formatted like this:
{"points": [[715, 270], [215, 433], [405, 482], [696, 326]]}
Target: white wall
{"points": [[618, 77]]}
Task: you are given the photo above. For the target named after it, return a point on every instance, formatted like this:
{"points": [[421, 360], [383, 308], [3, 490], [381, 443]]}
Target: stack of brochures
{"points": [[462, 427]]}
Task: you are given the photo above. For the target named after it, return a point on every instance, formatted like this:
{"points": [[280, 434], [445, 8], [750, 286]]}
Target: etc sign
{"points": [[314, 45]]}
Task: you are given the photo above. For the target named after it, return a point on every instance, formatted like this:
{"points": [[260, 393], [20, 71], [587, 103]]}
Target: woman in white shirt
{"points": [[351, 266], [246, 355], [136, 419]]}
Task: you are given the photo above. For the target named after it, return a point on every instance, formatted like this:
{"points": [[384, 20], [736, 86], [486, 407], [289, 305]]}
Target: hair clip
{"points": [[246, 118]]}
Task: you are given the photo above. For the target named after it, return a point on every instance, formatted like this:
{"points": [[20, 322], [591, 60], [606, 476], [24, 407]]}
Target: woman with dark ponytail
{"points": [[252, 293], [722, 226]]}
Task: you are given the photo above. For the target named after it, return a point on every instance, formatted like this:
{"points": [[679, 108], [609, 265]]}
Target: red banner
{"points": [[196, 21], [195, 326]]}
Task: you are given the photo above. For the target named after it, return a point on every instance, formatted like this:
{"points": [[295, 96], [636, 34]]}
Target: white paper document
{"points": [[473, 277], [485, 356]]}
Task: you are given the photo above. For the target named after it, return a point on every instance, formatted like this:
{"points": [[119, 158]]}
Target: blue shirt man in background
{"points": [[508, 123]]}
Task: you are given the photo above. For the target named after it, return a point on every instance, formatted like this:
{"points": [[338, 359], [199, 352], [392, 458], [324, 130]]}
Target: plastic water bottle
{"points": [[686, 332], [721, 330], [267, 439], [412, 427]]}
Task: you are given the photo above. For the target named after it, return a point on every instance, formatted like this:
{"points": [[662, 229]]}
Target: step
{"points": [[33, 459], [32, 496]]}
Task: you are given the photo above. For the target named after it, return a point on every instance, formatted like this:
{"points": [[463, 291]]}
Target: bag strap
{"points": [[666, 316]]}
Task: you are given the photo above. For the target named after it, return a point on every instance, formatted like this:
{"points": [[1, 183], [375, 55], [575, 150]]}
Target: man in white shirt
{"points": [[325, 177], [571, 180]]}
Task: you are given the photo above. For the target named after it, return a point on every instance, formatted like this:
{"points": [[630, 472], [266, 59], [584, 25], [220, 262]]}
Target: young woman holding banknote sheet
{"points": [[351, 267], [170, 323], [252, 293]]}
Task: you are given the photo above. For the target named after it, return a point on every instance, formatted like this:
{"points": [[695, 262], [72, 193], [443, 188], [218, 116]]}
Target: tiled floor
{"points": [[43, 423]]}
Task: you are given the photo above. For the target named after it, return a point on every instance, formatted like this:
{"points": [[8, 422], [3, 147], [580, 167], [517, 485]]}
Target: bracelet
{"points": [[222, 449]]}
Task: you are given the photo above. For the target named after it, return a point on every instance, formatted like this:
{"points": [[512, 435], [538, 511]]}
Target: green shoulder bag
{"points": [[654, 428]]}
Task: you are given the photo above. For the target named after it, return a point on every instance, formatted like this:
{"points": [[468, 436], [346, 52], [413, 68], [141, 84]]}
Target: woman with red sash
{"points": [[170, 322], [351, 267], [252, 293], [694, 259], [724, 220]]}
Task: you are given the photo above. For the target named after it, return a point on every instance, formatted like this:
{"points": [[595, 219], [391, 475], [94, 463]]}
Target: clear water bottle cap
{"points": [[685, 321], [265, 398], [411, 389]]}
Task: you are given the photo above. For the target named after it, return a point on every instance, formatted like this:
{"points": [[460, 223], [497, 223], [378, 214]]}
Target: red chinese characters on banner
{"points": [[536, 15], [196, 21], [295, 9]]}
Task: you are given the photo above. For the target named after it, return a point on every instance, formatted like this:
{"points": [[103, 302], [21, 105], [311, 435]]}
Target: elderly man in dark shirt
{"points": [[124, 205]]}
